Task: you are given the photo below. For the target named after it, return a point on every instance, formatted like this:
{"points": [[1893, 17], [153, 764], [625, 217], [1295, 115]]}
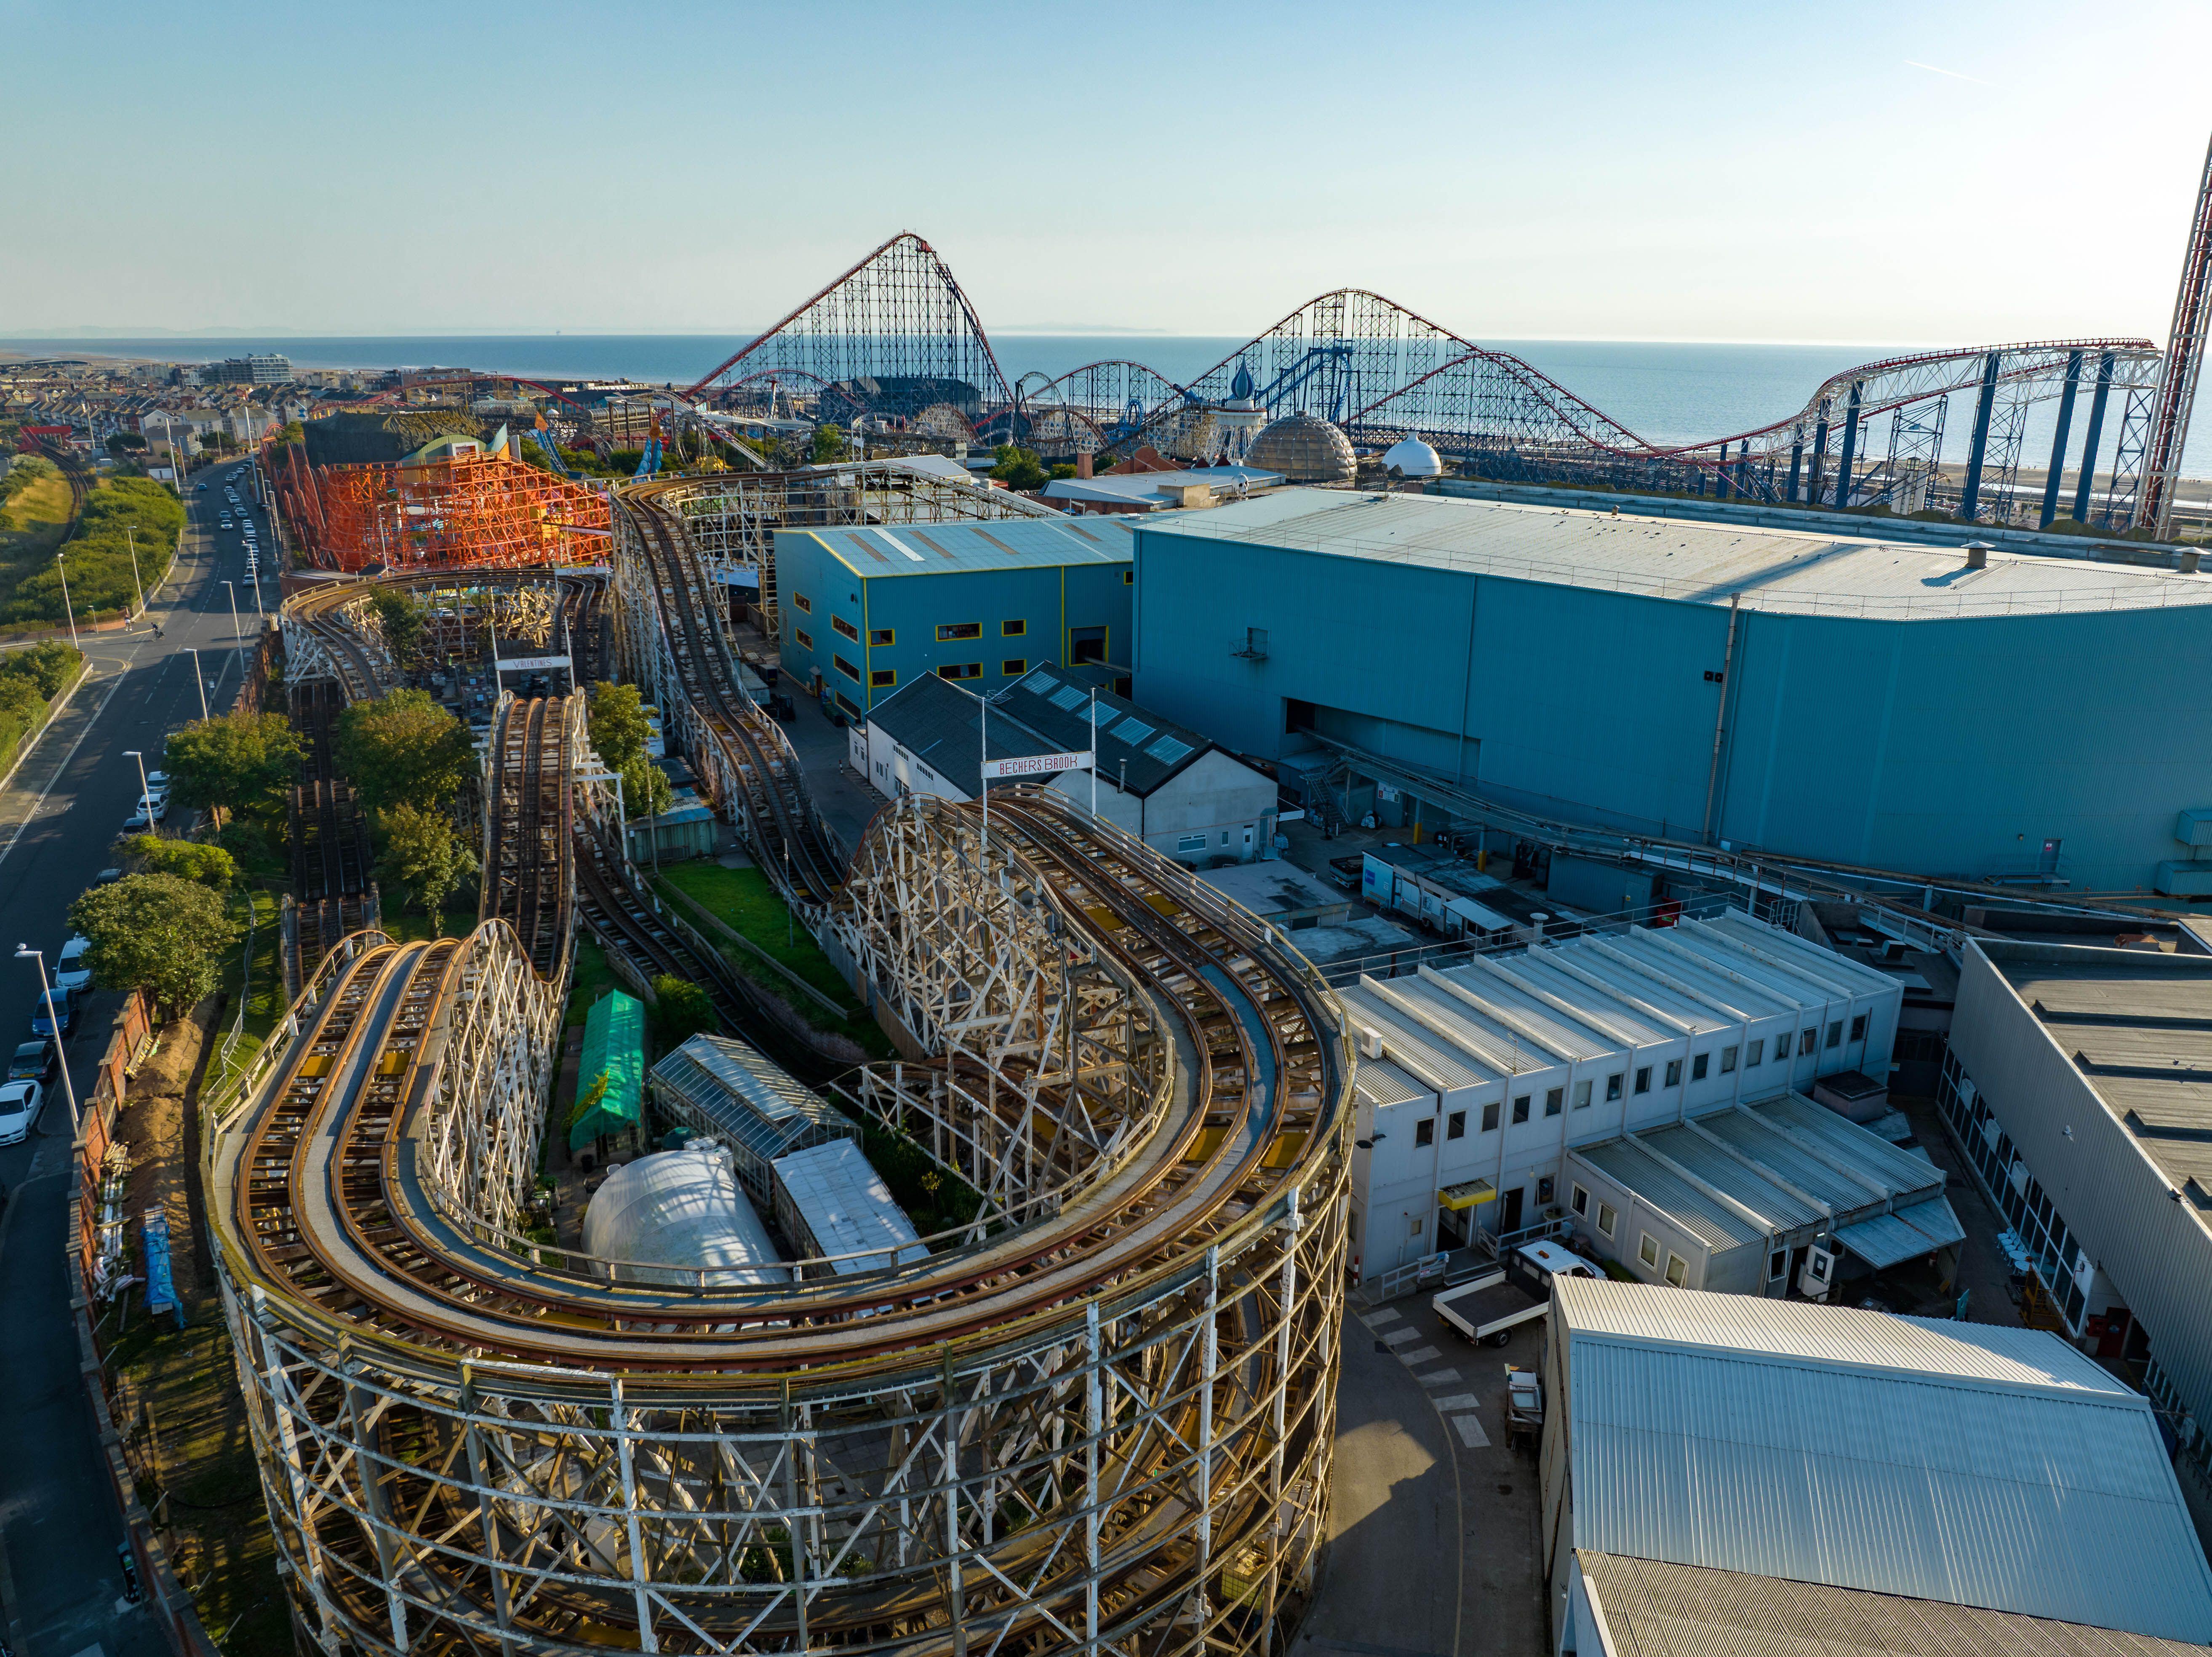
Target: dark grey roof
{"points": [[1654, 1609], [941, 725], [1056, 702]]}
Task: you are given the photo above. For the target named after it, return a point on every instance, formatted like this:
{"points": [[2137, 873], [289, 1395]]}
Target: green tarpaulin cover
{"points": [[614, 1047]]}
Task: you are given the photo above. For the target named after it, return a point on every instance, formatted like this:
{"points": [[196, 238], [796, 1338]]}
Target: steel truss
{"points": [[730, 520], [1105, 1425], [480, 509]]}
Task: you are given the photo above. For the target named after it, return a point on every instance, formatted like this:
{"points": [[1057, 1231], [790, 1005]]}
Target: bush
{"points": [[156, 932], [681, 1010], [188, 860], [99, 553]]}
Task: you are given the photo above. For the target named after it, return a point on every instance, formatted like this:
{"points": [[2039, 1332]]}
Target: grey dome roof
{"points": [[1305, 450]]}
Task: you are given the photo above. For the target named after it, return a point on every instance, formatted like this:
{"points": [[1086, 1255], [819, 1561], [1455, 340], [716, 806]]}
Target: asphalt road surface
{"points": [[61, 1584]]}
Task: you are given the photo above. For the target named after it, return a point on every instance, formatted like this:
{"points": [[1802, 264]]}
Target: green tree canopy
{"points": [[646, 792], [241, 760], [828, 443], [1018, 468], [46, 667], [402, 619], [158, 933], [209, 866], [404, 749], [618, 725], [681, 1010], [422, 854]]}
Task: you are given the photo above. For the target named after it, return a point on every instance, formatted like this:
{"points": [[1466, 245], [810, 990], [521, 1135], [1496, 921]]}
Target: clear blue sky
{"points": [[1873, 173]]}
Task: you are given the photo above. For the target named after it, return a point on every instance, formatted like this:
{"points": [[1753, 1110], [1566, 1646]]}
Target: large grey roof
{"points": [[2139, 1028], [1959, 1462], [1648, 1609], [1773, 570], [872, 551], [942, 724]]}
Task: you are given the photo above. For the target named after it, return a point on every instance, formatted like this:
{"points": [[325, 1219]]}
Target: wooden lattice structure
{"points": [[474, 510]]}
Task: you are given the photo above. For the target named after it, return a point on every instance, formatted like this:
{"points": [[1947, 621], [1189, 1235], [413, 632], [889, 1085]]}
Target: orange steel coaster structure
{"points": [[472, 510]]}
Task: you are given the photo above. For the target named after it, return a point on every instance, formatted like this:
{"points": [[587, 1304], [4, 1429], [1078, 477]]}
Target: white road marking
{"points": [[1376, 1320], [1439, 1378], [1470, 1432], [1398, 1335], [1458, 1401], [1419, 1355]]}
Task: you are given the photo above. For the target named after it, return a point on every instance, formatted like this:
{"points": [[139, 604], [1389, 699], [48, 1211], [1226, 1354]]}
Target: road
{"points": [[1432, 1547], [60, 1581]]}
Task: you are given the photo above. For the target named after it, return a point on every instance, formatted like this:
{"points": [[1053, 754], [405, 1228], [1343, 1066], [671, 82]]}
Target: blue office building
{"points": [[1945, 712], [868, 609]]}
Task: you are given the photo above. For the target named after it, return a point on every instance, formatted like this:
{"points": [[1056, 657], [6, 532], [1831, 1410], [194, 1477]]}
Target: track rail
{"points": [[1195, 1282], [778, 813]]}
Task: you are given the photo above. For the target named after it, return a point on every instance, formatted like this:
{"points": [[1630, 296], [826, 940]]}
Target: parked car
{"points": [[19, 1111], [70, 970], [107, 877], [64, 1012], [34, 1061]]}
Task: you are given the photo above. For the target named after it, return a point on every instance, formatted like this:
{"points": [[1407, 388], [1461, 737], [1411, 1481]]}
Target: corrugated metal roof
{"points": [[1651, 1608], [1782, 1209], [2140, 1034], [1381, 1082], [1865, 1179], [871, 552], [1712, 1223], [1790, 962], [1799, 1117], [1959, 1462], [1553, 1029], [1499, 1047], [1771, 570], [847, 1206], [1422, 1053], [1890, 1240], [740, 1093]]}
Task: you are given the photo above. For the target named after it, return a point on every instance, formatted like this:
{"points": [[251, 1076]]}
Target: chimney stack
{"points": [[1977, 554]]}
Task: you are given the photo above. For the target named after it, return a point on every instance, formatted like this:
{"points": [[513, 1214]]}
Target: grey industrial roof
{"points": [[1275, 888], [2140, 1031], [738, 1092], [942, 724], [1145, 486], [846, 1204], [1134, 742], [1713, 1223], [1773, 570], [1883, 1240], [1646, 1608], [1950, 1461], [1382, 1083], [1436, 1061], [871, 552]]}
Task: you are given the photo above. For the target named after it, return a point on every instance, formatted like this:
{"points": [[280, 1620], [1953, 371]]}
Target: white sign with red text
{"points": [[1036, 764]]}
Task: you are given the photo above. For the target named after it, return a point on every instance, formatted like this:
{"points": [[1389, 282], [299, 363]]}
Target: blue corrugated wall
{"points": [[1948, 747]]}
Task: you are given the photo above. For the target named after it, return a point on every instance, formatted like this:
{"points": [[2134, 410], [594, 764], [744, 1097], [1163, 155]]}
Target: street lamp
{"points": [[199, 678], [236, 633], [145, 790], [68, 609], [131, 534], [46, 989]]}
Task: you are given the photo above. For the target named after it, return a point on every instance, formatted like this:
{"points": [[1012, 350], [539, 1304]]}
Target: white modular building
{"points": [[1475, 1082]]}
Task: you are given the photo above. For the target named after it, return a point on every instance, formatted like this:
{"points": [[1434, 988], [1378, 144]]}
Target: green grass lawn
{"points": [[593, 978], [743, 900], [264, 986], [35, 521]]}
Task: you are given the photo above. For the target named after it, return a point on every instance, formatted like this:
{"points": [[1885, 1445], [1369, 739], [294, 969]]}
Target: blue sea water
{"points": [[1665, 392]]}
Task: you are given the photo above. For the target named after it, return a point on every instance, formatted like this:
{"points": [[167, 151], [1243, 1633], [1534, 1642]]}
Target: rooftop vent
{"points": [[2189, 559], [1977, 554]]}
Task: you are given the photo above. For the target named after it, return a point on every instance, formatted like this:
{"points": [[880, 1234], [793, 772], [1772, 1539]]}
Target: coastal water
{"points": [[1665, 392]]}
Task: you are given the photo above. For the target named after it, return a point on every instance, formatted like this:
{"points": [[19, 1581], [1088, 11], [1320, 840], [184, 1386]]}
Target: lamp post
{"points": [[47, 990], [199, 678], [68, 609], [145, 790], [131, 534], [236, 633]]}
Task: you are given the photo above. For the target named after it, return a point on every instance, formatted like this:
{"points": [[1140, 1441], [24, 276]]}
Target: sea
{"points": [[1666, 393]]}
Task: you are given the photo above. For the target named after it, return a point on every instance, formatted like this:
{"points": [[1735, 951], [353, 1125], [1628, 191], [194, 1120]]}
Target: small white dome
{"points": [[1409, 457]]}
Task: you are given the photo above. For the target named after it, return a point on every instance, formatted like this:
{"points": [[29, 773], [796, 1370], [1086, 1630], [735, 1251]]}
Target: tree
{"points": [[125, 442], [403, 622], [1017, 468], [241, 760], [619, 729], [681, 1010], [158, 933], [828, 443], [188, 860], [646, 792], [423, 853], [404, 748]]}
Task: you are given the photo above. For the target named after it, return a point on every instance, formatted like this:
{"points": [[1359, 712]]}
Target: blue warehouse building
{"points": [[868, 609], [1940, 712]]}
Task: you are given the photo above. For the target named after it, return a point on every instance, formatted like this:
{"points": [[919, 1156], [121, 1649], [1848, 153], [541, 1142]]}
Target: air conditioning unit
{"points": [[1371, 1042]]}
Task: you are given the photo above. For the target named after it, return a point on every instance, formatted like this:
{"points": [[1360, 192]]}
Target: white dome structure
{"points": [[681, 1209], [1409, 457]]}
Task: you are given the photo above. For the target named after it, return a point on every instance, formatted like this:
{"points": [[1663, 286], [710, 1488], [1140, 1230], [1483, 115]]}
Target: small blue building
{"points": [[866, 610], [1983, 715]]}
